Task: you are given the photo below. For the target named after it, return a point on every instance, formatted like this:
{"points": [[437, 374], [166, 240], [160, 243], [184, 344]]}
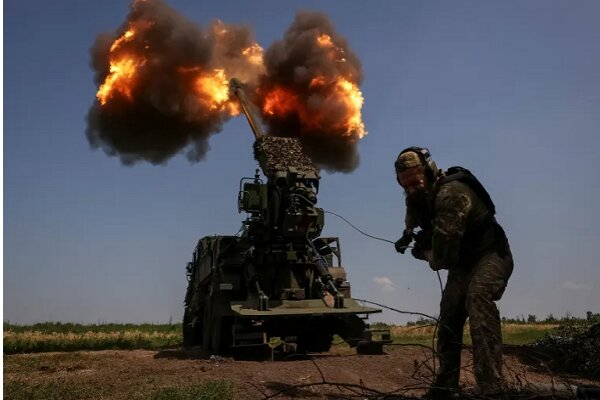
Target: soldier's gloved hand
{"points": [[402, 244], [423, 240], [417, 252]]}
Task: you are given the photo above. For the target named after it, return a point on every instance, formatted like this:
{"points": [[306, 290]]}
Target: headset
{"points": [[425, 156]]}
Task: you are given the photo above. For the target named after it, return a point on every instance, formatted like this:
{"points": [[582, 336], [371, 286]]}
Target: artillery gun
{"points": [[278, 278]]}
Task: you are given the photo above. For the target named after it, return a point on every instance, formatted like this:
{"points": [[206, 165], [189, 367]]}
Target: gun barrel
{"points": [[238, 88]]}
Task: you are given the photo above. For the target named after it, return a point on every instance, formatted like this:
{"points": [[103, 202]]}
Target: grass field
{"points": [[511, 333], [71, 337], [64, 390]]}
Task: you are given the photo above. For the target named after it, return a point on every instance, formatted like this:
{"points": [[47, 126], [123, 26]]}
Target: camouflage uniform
{"points": [[467, 240]]}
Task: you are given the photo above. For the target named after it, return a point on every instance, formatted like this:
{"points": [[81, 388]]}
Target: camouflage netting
{"points": [[279, 153], [575, 349]]}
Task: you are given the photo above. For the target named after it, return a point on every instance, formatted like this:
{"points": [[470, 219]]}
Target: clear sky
{"points": [[510, 90]]}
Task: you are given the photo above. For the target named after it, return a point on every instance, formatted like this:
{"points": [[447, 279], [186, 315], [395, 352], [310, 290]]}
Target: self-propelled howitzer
{"points": [[279, 278]]}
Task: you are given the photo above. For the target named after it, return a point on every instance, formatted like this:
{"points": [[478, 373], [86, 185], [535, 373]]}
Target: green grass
{"points": [[58, 390], [68, 327], [53, 362], [525, 336], [211, 390], [511, 334], [63, 390], [57, 336]]}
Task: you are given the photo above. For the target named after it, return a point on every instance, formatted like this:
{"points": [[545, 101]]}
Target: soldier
{"points": [[458, 232]]}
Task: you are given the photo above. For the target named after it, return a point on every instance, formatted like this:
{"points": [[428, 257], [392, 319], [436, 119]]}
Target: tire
{"points": [[207, 328], [221, 338], [192, 334]]}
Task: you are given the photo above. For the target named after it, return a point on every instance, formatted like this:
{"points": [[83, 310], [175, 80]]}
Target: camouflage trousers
{"points": [[473, 294]]}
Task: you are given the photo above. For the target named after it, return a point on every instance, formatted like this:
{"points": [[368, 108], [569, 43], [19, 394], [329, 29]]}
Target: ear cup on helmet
{"points": [[426, 160]]}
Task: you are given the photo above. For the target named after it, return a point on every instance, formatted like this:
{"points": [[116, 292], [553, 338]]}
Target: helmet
{"points": [[415, 157]]}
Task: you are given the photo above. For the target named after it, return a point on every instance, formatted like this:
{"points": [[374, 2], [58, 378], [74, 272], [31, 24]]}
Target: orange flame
{"points": [[350, 94], [213, 92], [319, 81], [281, 102], [127, 36], [119, 79], [333, 52], [324, 40], [122, 71]]}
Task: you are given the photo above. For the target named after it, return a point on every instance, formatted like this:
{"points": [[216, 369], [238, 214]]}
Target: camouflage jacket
{"points": [[459, 222]]}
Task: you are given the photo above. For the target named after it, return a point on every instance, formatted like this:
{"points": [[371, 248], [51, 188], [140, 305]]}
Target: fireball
{"points": [[213, 92], [337, 94], [350, 94], [281, 102], [122, 70]]}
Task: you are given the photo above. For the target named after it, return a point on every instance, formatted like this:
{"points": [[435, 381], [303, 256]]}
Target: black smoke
{"points": [[294, 62], [163, 116]]}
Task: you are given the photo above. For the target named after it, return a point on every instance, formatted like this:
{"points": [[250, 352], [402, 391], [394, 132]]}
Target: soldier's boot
{"points": [[445, 385], [492, 383], [441, 393]]}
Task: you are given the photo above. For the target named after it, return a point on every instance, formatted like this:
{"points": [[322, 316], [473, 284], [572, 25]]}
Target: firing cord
{"points": [[362, 232], [345, 220], [396, 310]]}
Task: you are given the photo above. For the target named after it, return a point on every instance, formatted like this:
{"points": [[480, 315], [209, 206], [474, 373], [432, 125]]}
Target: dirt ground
{"points": [[136, 374]]}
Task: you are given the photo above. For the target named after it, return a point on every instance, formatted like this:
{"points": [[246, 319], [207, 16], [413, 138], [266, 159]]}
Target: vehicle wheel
{"points": [[207, 327], [221, 335], [192, 333]]}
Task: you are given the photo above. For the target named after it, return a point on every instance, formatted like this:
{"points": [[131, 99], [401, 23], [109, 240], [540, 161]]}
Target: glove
{"points": [[402, 244], [417, 252], [422, 244], [423, 240]]}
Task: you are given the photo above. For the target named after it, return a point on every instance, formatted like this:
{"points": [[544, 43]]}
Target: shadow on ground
{"points": [[196, 353]]}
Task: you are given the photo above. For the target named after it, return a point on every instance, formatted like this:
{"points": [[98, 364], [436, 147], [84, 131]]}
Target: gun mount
{"points": [[279, 278]]}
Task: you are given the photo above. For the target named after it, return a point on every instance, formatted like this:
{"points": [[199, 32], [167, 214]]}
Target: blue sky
{"points": [[510, 90]]}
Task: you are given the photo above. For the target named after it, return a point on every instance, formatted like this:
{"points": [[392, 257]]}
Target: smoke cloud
{"points": [[309, 61], [163, 86], [158, 110]]}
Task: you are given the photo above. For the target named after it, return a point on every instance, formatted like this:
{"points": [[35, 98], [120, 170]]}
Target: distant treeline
{"points": [[551, 319]]}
